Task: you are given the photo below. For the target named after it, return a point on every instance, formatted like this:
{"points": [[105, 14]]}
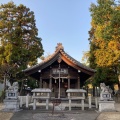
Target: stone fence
{"points": [[25, 100]]}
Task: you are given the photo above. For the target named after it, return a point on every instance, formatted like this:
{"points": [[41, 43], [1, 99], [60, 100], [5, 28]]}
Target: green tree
{"points": [[19, 44], [107, 75]]}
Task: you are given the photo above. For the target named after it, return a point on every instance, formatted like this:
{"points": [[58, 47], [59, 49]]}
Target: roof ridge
{"points": [[59, 47]]}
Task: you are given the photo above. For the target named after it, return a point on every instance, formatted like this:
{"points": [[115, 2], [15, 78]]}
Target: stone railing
{"points": [[25, 100], [38, 94], [76, 94]]}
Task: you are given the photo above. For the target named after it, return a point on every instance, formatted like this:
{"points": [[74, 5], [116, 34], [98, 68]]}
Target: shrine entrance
{"points": [[60, 72], [59, 87]]}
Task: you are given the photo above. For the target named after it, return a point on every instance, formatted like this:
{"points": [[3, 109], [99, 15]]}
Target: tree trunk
{"points": [[21, 88], [119, 85], [4, 82], [93, 91]]}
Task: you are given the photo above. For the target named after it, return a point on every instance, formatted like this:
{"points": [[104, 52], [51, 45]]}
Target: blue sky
{"points": [[61, 21]]}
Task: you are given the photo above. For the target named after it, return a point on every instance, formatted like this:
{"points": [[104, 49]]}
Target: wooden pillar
{"points": [[50, 83], [78, 82], [93, 91], [68, 83], [68, 79], [40, 84], [45, 84]]}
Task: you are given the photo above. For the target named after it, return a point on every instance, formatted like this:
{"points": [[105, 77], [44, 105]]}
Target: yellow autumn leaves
{"points": [[107, 41]]}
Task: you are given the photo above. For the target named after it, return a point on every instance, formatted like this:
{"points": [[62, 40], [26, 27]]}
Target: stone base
{"points": [[11, 105], [106, 106]]}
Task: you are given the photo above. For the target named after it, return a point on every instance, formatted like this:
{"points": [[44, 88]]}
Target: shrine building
{"points": [[60, 72]]}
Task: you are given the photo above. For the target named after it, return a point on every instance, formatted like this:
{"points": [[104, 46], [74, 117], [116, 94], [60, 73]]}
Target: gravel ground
{"points": [[109, 116], [39, 115], [5, 115], [35, 116]]}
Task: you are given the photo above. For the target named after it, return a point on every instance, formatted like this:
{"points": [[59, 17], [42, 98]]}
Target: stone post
{"points": [[69, 104], [34, 102], [69, 101], [21, 101], [82, 103], [47, 101], [89, 99], [27, 98], [96, 102]]}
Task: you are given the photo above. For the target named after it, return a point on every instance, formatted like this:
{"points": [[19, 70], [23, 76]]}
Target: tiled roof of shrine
{"points": [[59, 52]]}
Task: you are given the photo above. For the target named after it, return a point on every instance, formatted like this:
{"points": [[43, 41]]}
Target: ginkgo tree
{"points": [[104, 38], [19, 41], [106, 32]]}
